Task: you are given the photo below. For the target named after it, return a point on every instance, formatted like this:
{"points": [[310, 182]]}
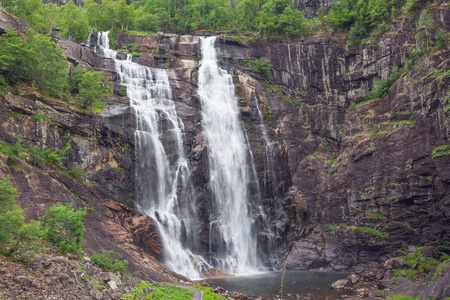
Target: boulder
{"points": [[340, 284], [112, 285], [108, 276]]}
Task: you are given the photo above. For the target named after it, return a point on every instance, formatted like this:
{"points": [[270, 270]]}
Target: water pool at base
{"points": [[314, 285]]}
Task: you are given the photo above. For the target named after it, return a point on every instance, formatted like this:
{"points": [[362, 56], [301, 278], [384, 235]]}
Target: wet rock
{"points": [[340, 284]]}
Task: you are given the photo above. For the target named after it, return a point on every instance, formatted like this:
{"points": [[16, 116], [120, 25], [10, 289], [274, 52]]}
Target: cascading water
{"points": [[232, 240], [163, 185]]}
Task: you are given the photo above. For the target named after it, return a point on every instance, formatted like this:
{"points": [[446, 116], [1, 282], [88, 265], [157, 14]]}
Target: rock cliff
{"points": [[338, 169], [343, 185]]}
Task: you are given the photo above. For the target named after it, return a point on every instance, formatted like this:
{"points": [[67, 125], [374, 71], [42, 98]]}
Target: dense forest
{"points": [[266, 18]]}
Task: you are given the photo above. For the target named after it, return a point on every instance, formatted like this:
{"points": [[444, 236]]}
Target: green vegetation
{"points": [[39, 154], [64, 227], [333, 158], [364, 229], [110, 260], [376, 215], [446, 262], [36, 60], [88, 87], [443, 150], [76, 172], [380, 88], [402, 297], [278, 89], [262, 65], [373, 231], [419, 265], [412, 5], [363, 18], [38, 117], [208, 293], [269, 18], [374, 131], [149, 291], [17, 237]]}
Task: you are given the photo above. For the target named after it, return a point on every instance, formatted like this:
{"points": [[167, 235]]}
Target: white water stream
{"points": [[163, 185], [232, 240]]}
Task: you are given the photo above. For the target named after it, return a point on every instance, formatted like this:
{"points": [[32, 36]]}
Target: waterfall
{"points": [[232, 240], [163, 185]]}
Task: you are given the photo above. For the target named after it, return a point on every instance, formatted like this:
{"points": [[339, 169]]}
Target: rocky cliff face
{"points": [[339, 170], [329, 172]]}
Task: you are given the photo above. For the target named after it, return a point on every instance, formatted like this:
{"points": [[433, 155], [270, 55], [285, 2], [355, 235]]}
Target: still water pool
{"points": [[314, 285]]}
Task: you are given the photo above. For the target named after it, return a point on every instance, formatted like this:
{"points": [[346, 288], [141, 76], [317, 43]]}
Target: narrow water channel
{"points": [[298, 284]]}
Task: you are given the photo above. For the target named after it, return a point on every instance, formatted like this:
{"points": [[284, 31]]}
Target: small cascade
{"points": [[269, 174], [163, 186], [232, 238], [269, 180]]}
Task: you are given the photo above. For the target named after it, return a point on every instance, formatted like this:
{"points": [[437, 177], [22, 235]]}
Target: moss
{"points": [[443, 150], [97, 106], [418, 264], [373, 231], [38, 117]]}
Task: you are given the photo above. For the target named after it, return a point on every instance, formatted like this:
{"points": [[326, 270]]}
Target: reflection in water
{"points": [[316, 285]]}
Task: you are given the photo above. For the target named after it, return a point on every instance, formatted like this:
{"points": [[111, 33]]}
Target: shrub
{"points": [[76, 172], [412, 5], [64, 227], [262, 65], [110, 260], [16, 236], [3, 85]]}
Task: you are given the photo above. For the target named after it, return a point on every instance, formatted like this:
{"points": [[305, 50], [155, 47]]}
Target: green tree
{"points": [[93, 14], [50, 70], [64, 227], [74, 24], [88, 86], [124, 14], [15, 57], [145, 21], [426, 28], [16, 236]]}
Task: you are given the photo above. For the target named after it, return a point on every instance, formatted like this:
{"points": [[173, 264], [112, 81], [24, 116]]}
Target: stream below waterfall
{"points": [[297, 285]]}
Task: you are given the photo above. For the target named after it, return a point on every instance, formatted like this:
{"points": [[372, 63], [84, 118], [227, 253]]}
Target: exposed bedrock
{"points": [[328, 172]]}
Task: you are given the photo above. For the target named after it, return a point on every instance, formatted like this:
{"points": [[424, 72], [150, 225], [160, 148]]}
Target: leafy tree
{"points": [[124, 14], [16, 236], [145, 21], [93, 13], [74, 24], [65, 227], [426, 28], [262, 65], [89, 86], [110, 260], [50, 70], [15, 57]]}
